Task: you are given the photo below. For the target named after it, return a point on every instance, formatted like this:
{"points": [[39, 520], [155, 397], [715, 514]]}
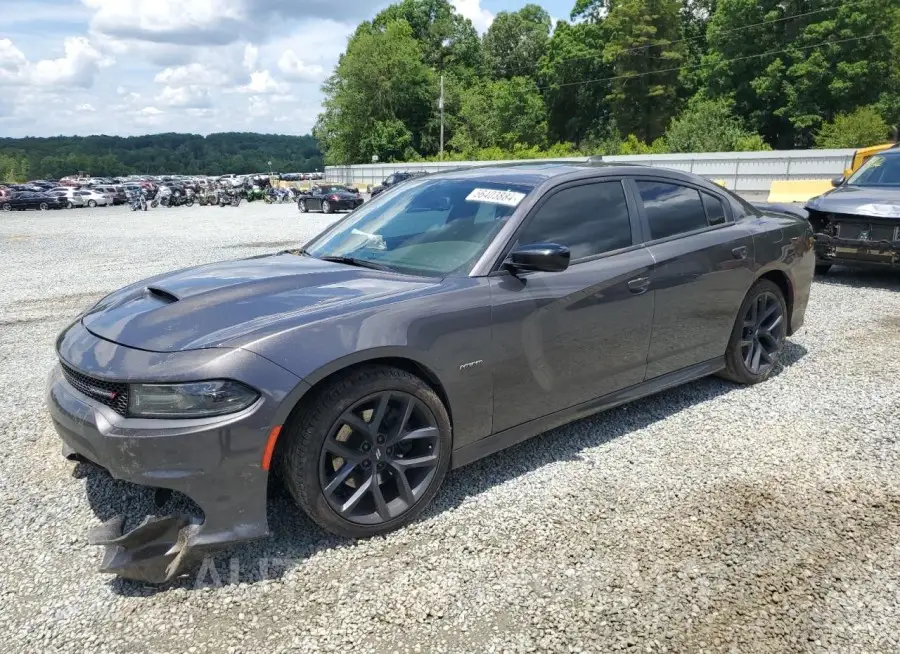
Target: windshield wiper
{"points": [[362, 263]]}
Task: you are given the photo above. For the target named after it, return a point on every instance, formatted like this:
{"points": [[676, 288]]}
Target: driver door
{"points": [[314, 201], [560, 339]]}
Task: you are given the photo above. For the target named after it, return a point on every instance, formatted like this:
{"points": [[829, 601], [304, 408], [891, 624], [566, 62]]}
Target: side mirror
{"points": [[542, 257], [837, 181]]}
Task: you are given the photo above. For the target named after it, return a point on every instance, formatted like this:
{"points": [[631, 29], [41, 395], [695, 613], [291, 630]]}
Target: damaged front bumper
{"points": [[217, 463], [833, 249]]}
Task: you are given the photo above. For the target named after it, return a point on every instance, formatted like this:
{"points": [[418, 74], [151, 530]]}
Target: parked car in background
{"points": [[117, 193], [329, 198], [70, 195], [94, 198], [393, 180], [858, 222], [24, 200], [455, 316]]}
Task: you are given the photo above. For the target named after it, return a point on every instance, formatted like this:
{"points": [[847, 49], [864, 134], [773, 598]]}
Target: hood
{"points": [[222, 304], [877, 202]]}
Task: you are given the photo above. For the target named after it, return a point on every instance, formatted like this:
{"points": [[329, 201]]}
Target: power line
{"points": [[717, 63], [742, 28]]}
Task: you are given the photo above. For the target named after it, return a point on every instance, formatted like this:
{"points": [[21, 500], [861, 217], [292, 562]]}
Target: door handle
{"points": [[639, 285], [740, 252]]}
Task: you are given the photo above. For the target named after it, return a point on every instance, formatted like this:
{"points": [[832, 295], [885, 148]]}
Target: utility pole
{"points": [[442, 116]]}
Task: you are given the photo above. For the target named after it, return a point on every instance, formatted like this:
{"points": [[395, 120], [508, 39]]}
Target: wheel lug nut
{"points": [[366, 447], [381, 466], [366, 463], [381, 439], [390, 450]]}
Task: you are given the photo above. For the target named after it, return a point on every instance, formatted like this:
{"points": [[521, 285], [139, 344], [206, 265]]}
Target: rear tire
{"points": [[92, 203], [758, 336], [302, 206], [308, 463], [7, 206], [822, 268], [44, 206], [326, 207]]}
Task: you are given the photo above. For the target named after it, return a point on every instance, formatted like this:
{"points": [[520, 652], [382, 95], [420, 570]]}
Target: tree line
{"points": [[184, 154], [621, 76]]}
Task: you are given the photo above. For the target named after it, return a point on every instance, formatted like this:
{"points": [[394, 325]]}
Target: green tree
{"points": [[381, 79], [515, 42], [576, 107], [447, 39], [862, 128], [790, 75], [644, 48], [501, 114], [708, 126]]}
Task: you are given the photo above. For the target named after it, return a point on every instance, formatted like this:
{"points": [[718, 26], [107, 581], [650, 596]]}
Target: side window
{"points": [[671, 209], [389, 180], [589, 219], [715, 210]]}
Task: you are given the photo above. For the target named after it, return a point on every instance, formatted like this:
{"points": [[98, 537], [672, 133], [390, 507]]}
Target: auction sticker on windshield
{"points": [[506, 198]]}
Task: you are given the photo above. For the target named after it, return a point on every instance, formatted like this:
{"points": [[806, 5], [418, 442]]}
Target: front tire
{"points": [[302, 206], [326, 207], [368, 452], [92, 203], [69, 205], [759, 334], [44, 206]]}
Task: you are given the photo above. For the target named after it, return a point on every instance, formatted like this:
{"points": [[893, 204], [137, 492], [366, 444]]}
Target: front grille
{"points": [[876, 232], [112, 394]]}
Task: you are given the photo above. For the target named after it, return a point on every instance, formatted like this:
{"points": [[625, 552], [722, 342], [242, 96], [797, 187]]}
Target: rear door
{"points": [[560, 339], [701, 272]]}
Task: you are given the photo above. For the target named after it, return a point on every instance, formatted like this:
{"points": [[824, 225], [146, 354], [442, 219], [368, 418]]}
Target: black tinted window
{"points": [[715, 210], [589, 219], [671, 209]]}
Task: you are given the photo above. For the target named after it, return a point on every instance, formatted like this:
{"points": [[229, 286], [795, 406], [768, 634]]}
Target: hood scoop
{"points": [[160, 293]]}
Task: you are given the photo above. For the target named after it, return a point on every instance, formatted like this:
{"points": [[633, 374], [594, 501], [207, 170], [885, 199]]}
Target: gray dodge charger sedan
{"points": [[458, 315]]}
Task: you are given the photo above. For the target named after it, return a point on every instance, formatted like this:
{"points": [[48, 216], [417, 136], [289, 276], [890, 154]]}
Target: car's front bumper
{"points": [[847, 251], [216, 462]]}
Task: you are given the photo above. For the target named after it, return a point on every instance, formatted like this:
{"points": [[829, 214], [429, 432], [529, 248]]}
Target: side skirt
{"points": [[519, 433]]}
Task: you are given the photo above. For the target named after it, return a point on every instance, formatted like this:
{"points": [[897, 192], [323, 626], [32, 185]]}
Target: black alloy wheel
{"points": [[367, 452], [379, 458], [764, 333], [759, 335]]}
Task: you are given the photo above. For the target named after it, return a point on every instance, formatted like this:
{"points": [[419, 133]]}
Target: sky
{"points": [[128, 67]]}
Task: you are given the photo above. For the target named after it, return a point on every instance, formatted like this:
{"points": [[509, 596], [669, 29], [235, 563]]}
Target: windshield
{"points": [[433, 227], [878, 171]]}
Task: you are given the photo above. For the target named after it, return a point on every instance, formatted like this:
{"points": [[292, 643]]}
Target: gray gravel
{"points": [[709, 517]]}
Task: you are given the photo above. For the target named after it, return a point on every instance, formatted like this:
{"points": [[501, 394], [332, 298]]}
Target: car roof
{"points": [[537, 173]]}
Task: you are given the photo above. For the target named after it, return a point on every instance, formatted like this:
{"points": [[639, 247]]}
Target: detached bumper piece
{"points": [[155, 551]]}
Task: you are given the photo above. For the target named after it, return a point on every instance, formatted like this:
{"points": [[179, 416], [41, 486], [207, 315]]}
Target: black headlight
{"points": [[190, 400]]}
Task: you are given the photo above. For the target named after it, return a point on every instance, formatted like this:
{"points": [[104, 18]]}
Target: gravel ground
{"points": [[707, 518]]}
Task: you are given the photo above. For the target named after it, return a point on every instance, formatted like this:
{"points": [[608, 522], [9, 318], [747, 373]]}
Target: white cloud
{"points": [[195, 73], [262, 82], [293, 68], [85, 108], [78, 66], [191, 96], [12, 61], [481, 18]]}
